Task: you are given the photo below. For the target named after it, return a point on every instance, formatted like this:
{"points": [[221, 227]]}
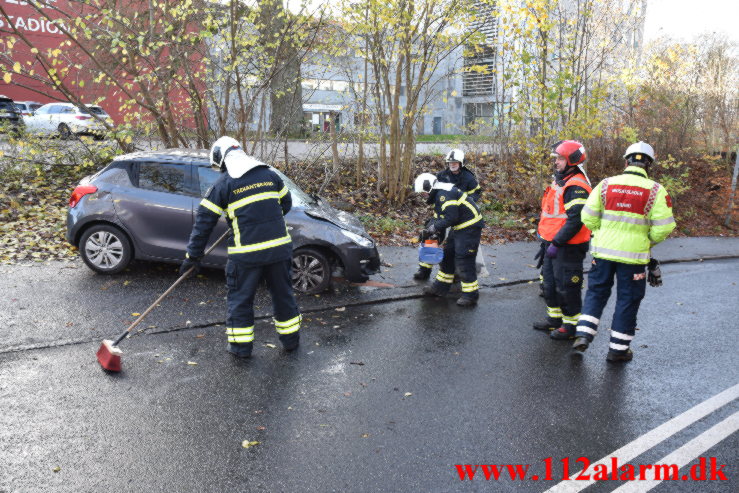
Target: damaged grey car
{"points": [[142, 206]]}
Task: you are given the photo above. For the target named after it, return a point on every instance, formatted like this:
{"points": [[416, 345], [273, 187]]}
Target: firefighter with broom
{"points": [[254, 199]]}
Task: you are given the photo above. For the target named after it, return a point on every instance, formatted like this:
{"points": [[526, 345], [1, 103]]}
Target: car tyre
{"points": [[105, 249], [64, 132], [311, 271]]}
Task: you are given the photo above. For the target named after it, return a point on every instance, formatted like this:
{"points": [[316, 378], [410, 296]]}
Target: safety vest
{"points": [[554, 210], [629, 213]]}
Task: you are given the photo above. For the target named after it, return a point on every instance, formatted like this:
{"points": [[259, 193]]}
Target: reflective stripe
{"points": [[586, 330], [211, 206], [449, 202], [474, 190], [575, 202], [621, 335], [589, 318], [467, 223], [290, 326], [553, 216], [620, 253], [663, 222], [237, 232], [283, 192], [424, 264], [468, 287], [572, 320], [240, 335], [554, 312], [254, 247], [591, 212], [625, 219], [447, 278], [618, 347], [251, 199]]}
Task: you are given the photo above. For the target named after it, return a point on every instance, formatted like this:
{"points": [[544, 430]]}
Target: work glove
{"points": [[654, 273], [540, 254], [552, 250], [190, 262]]}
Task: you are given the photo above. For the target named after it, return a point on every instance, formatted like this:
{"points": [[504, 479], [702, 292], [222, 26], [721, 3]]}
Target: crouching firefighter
{"points": [[565, 240], [455, 210], [461, 177], [628, 214], [254, 199]]}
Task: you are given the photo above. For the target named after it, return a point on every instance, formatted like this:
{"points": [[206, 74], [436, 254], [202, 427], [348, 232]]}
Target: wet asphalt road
{"points": [[381, 397]]}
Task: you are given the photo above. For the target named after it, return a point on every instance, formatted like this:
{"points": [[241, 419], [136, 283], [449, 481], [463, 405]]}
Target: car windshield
{"points": [[299, 196], [7, 105], [96, 110], [34, 107]]}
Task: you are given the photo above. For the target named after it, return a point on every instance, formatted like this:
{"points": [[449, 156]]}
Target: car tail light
{"points": [[81, 117], [80, 192]]}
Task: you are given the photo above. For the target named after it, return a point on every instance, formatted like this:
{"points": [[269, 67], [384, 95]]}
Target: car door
{"points": [[34, 123], [157, 210], [205, 177]]}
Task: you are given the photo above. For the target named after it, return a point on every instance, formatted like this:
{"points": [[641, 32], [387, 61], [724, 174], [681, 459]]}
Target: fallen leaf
{"points": [[135, 314], [272, 346], [365, 435], [347, 394], [341, 309], [192, 363], [199, 336], [247, 444], [126, 283], [502, 278], [407, 394], [57, 469], [261, 428]]}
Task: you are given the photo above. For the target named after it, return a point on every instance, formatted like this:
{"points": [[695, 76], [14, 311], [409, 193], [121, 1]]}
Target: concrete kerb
{"points": [[367, 302]]}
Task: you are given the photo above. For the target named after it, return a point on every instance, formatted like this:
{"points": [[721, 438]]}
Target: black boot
{"points": [[563, 333], [422, 274], [548, 324], [581, 344], [290, 342], [619, 356], [468, 299], [434, 290], [242, 350]]}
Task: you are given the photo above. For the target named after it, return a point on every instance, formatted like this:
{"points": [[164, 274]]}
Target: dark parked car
{"points": [[10, 116], [142, 206]]}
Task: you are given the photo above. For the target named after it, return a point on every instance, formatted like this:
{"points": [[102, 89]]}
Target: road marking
{"points": [[652, 438], [685, 454]]}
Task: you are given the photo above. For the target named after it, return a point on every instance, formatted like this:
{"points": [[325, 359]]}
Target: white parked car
{"points": [[67, 120], [27, 108]]}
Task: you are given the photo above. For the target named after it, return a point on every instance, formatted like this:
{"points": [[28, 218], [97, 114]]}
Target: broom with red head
{"points": [[109, 354]]}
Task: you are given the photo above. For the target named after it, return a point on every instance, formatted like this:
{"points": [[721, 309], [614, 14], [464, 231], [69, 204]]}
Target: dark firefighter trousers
{"points": [[460, 250], [562, 284], [631, 284], [242, 281]]}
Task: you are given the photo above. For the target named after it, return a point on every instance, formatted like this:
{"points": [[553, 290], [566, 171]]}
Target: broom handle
{"points": [[171, 288]]}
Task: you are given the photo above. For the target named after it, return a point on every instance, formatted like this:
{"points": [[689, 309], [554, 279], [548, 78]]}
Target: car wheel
{"points": [[106, 249], [311, 271], [64, 132]]}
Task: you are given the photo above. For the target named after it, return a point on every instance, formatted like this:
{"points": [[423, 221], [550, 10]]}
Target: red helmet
{"points": [[571, 150]]}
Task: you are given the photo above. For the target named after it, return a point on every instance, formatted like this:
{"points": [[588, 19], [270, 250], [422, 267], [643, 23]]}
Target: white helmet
{"points": [[455, 155], [220, 148], [227, 155], [639, 151], [424, 182]]}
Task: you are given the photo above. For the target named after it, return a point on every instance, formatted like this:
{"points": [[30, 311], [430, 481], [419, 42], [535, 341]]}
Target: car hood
{"points": [[342, 219]]}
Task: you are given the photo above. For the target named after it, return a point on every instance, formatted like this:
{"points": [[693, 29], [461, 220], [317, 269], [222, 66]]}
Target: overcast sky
{"points": [[687, 18]]}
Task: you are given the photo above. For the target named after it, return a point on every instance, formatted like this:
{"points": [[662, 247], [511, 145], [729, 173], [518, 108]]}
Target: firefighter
{"points": [[455, 210], [461, 177], [255, 199], [628, 214], [564, 240]]}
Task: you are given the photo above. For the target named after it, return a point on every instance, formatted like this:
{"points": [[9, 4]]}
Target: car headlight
{"points": [[359, 240]]}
